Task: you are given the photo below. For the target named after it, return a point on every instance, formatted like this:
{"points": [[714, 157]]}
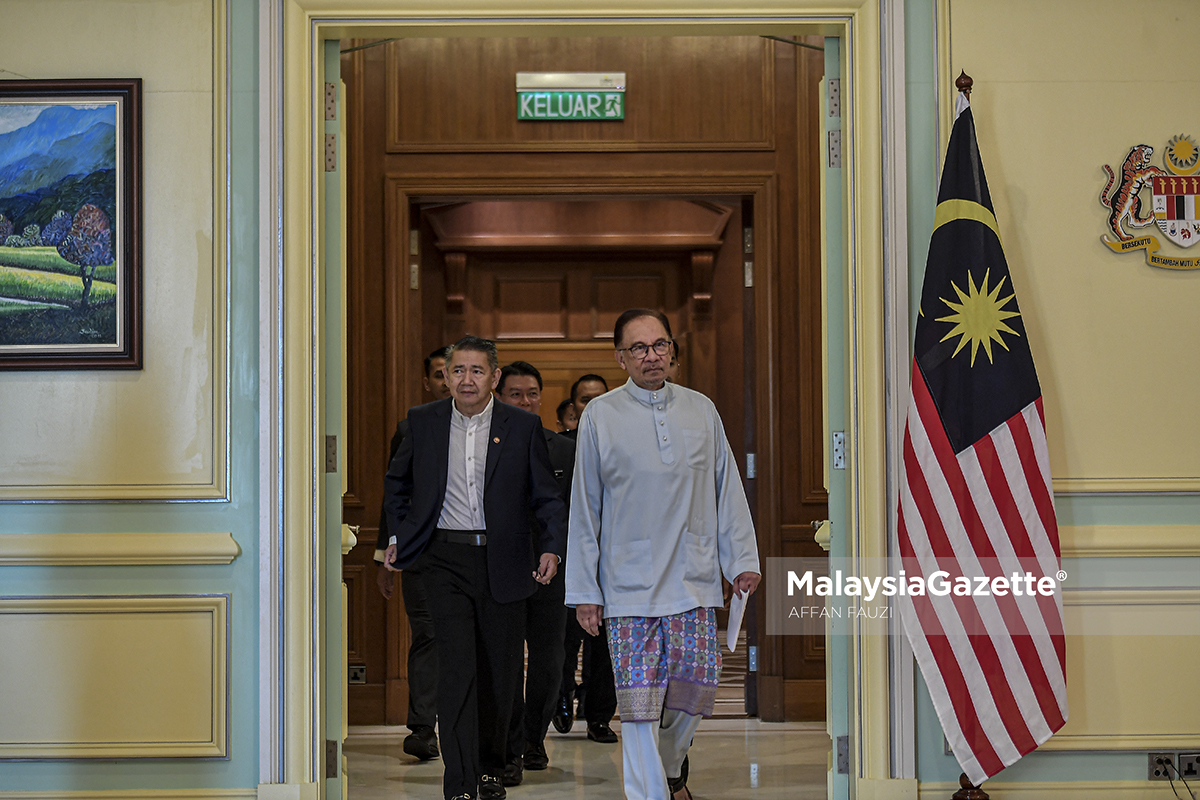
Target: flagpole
{"points": [[967, 790]]}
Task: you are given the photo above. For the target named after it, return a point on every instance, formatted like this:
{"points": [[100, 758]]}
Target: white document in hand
{"points": [[737, 607]]}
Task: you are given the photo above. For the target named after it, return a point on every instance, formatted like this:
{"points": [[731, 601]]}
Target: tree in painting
{"points": [[88, 244], [6, 227], [57, 229]]}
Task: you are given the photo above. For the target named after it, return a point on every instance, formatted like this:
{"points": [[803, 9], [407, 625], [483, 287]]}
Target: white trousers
{"points": [[652, 751]]}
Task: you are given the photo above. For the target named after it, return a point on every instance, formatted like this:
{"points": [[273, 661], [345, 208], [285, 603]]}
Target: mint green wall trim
{"points": [[239, 514], [839, 677], [333, 343], [924, 164]]}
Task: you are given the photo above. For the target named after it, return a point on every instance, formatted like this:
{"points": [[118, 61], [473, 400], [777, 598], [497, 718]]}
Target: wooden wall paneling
{"points": [[449, 95], [367, 367], [810, 70]]}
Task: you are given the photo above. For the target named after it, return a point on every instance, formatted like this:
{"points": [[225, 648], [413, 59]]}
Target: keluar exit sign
{"points": [[570, 96]]}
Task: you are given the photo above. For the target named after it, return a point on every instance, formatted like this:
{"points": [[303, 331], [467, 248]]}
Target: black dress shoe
{"points": [[422, 743], [535, 756], [514, 773], [600, 732], [490, 788], [563, 718]]}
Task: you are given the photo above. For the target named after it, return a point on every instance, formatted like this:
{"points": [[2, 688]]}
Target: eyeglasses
{"points": [[639, 351]]}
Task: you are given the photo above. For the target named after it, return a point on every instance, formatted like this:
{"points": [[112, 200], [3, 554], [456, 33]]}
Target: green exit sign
{"points": [[570, 105], [570, 96]]}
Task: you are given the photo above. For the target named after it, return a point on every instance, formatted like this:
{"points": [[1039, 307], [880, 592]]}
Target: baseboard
{"points": [[1061, 790]]}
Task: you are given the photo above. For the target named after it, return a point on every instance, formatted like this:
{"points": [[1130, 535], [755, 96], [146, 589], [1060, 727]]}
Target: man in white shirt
{"points": [[658, 513]]}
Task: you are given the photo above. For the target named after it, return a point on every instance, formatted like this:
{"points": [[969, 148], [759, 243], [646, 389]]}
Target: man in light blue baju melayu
{"points": [[658, 514]]}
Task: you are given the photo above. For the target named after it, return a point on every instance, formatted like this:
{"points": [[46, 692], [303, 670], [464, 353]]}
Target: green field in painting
{"points": [[13, 307], [47, 259], [51, 287]]}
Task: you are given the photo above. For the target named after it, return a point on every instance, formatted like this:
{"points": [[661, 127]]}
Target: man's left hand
{"points": [[547, 568], [746, 583]]}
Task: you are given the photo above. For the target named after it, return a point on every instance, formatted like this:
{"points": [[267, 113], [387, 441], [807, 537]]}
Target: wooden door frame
{"points": [[404, 345]]}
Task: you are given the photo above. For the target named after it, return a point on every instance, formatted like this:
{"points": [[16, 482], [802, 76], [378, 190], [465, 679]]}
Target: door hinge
{"points": [[752, 658], [747, 274], [331, 464], [835, 149], [331, 152], [843, 755], [330, 101], [839, 450], [751, 467], [414, 275], [331, 758], [835, 97], [747, 240]]}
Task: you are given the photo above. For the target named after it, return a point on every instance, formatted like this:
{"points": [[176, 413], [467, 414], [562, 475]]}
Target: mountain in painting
{"points": [[60, 141]]}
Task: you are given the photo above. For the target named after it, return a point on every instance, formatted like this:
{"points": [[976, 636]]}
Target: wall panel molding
{"points": [[115, 677], [1117, 541], [116, 549]]}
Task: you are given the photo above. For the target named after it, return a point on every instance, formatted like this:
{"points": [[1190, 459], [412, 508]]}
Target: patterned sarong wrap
{"points": [[672, 662]]}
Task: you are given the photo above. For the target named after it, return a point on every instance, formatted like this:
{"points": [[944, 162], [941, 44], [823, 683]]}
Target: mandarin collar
{"points": [[648, 396]]}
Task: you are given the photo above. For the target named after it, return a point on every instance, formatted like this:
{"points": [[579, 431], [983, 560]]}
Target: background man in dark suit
{"points": [[596, 692], [422, 652], [458, 497], [545, 613]]}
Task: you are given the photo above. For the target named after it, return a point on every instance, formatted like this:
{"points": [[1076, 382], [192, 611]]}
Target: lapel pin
{"points": [[496, 439]]}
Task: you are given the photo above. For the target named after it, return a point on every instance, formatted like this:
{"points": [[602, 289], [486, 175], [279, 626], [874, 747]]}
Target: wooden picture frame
{"points": [[71, 224]]}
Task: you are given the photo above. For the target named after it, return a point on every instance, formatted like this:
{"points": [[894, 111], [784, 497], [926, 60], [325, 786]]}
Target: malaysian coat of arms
{"points": [[1172, 207]]}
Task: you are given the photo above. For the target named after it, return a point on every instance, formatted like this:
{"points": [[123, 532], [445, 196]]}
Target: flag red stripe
{"points": [[1014, 525], [1045, 506], [947, 662], [983, 645], [985, 650]]}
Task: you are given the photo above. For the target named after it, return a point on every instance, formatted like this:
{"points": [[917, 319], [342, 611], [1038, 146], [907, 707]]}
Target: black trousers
{"points": [[600, 691], [479, 663], [422, 651], [545, 627]]}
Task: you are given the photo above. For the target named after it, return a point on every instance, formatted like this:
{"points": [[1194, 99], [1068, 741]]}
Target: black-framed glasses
{"points": [[639, 351]]}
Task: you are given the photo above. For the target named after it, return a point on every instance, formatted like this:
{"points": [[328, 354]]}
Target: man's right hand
{"points": [[386, 581], [389, 556], [589, 617]]}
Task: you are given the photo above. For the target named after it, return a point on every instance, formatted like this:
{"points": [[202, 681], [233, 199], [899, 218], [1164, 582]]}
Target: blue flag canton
{"points": [[971, 345]]}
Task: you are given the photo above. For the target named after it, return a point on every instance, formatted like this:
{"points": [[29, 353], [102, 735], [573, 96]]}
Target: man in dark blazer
{"points": [[545, 611], [421, 742], [458, 496]]}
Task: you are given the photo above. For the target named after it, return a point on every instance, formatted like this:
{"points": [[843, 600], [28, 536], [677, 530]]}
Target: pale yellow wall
{"points": [[158, 432], [1061, 89]]}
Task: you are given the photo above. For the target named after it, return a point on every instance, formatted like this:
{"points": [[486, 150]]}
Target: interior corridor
{"points": [[730, 758]]}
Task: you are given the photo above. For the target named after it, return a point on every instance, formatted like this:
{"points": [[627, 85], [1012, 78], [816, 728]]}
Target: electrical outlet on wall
{"points": [[1160, 766], [1189, 766]]}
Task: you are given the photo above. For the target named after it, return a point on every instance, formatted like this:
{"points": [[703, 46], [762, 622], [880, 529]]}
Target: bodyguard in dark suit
{"points": [[422, 651], [458, 496], [545, 611]]}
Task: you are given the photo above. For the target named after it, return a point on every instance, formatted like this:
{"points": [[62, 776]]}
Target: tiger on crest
{"points": [[1126, 202]]}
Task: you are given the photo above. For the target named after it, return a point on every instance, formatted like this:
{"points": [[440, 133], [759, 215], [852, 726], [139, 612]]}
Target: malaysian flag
{"points": [[975, 496]]}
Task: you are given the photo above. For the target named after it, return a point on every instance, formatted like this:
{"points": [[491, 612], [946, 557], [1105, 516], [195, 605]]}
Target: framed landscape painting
{"points": [[71, 224]]}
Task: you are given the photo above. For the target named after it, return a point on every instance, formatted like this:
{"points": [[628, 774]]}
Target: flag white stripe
{"points": [[989, 607], [947, 510], [1032, 612]]}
